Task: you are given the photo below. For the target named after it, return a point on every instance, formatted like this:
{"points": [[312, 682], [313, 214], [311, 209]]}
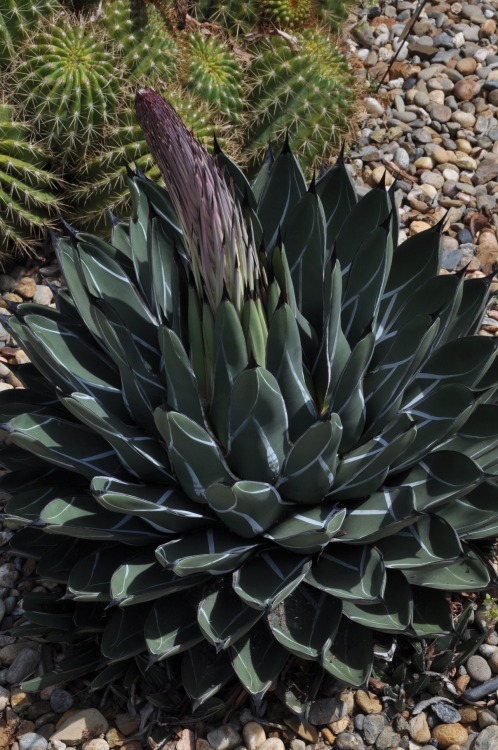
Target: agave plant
{"points": [[255, 427]]}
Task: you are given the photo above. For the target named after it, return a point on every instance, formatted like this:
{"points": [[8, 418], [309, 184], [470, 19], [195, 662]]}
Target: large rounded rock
{"points": [[478, 668], [449, 734]]}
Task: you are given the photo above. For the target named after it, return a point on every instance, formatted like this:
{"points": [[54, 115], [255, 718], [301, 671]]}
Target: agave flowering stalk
{"points": [[220, 248], [219, 487]]}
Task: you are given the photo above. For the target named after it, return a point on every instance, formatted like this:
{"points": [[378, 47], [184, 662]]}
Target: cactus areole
{"points": [[254, 427]]}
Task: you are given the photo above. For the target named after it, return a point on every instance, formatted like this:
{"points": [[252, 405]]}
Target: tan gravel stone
{"points": [[81, 725], [468, 714], [254, 735], [419, 729], [449, 734], [368, 702], [127, 724]]}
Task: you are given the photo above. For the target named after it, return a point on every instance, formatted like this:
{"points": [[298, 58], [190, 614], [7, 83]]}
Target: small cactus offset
{"points": [[307, 92], [213, 74], [69, 82], [28, 199], [286, 12], [141, 35], [238, 16], [256, 427]]}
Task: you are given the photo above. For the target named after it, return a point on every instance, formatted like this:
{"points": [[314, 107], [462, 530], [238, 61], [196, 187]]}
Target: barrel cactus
{"points": [[67, 81], [17, 20], [28, 199], [255, 427]]}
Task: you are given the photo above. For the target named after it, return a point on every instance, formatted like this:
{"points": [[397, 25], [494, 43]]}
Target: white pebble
{"points": [[254, 735], [272, 743]]}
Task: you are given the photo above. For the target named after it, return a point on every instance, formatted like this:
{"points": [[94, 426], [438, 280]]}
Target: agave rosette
{"points": [[256, 427]]}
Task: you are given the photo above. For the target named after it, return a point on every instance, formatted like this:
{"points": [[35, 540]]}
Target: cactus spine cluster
{"points": [[27, 188]]}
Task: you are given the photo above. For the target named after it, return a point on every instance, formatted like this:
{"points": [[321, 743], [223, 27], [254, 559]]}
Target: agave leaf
{"points": [[212, 551], [478, 438], [196, 340], [165, 275], [230, 360], [141, 388], [14, 459], [461, 362], [366, 281], [164, 508], [32, 542], [247, 508], [124, 633], [349, 572], [114, 673], [415, 261], [350, 657], [26, 506], [393, 614], [254, 331], [234, 176], [257, 659], [208, 339], [431, 612], [69, 362], [284, 359], [194, 454], [64, 444], [437, 415], [473, 516], [364, 469], [105, 279], [79, 516], [162, 204], [429, 542], [304, 239], [142, 579], [379, 516], [337, 194], [139, 223], [265, 581], [310, 465], [56, 563], [308, 531], [140, 454], [183, 395], [279, 195], [469, 316], [306, 622], [385, 383], [347, 399], [171, 627], [73, 276], [90, 578], [441, 476], [257, 426], [470, 573], [369, 213], [70, 668], [224, 618], [334, 350], [204, 671], [42, 608], [21, 400]]}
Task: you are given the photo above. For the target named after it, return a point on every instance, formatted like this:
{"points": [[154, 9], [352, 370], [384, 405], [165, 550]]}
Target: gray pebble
{"points": [[32, 741], [359, 720], [297, 744], [402, 158], [349, 741], [7, 283], [372, 727], [446, 713], [3, 610], [486, 719], [326, 711], [43, 295], [23, 665], [387, 739], [223, 738], [61, 700], [478, 668], [487, 739]]}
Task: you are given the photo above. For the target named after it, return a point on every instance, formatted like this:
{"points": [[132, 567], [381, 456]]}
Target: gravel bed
{"points": [[432, 125]]}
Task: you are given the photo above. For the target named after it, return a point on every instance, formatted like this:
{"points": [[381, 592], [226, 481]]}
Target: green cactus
{"points": [[238, 16], [17, 19], [286, 12], [141, 34], [213, 73], [27, 198], [102, 183], [309, 93], [69, 82], [333, 12]]}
